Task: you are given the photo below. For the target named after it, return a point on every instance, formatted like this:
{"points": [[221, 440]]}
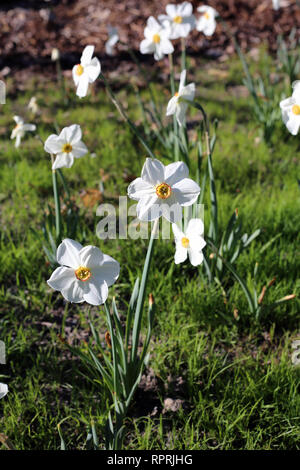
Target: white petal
{"points": [[197, 243], [180, 113], [61, 278], [171, 10], [188, 92], [175, 172], [148, 208], [171, 108], [63, 160], [18, 119], [210, 28], [3, 390], [153, 24], [87, 55], [147, 46], [79, 149], [83, 85], [108, 271], [68, 253], [93, 70], [76, 77], [167, 46], [178, 234], [90, 256], [18, 140], [153, 171], [53, 144], [140, 188], [180, 253], [196, 257], [71, 134], [182, 79], [95, 293], [186, 191], [74, 292], [293, 124], [195, 227], [29, 127], [185, 9]]}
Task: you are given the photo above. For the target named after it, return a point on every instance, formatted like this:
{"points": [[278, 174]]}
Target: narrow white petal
{"points": [[83, 85], [180, 253], [175, 172], [178, 234], [87, 55], [186, 191], [68, 253], [95, 293], [180, 113], [90, 256], [61, 278], [29, 127], [63, 160], [182, 79], [171, 108], [196, 257], [79, 149], [195, 227], [3, 390], [140, 188], [93, 70]]}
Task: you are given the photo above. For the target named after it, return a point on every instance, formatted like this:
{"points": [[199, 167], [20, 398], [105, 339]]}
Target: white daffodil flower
{"points": [[290, 109], [85, 273], [180, 19], [156, 40], [207, 21], [113, 38], [176, 104], [66, 146], [276, 4], [19, 130], [163, 190], [86, 72], [3, 390], [190, 243]]}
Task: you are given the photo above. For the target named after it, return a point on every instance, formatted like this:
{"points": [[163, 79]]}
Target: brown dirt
{"points": [[29, 29]]}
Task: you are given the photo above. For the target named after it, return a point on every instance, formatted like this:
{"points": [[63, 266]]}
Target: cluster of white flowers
{"points": [[177, 23]]}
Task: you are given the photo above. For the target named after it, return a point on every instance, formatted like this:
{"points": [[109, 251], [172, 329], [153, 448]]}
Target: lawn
{"points": [[217, 377]]}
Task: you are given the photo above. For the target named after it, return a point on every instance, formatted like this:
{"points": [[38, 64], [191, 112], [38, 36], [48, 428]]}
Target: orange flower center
{"points": [[67, 148], [156, 38], [79, 69], [185, 242], [177, 19], [176, 94], [296, 109], [206, 16], [83, 273], [163, 190]]}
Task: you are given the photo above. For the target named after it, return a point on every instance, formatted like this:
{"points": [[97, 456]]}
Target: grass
{"points": [[233, 375]]}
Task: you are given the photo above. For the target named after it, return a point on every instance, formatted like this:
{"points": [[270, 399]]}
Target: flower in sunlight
{"points": [[180, 19], [157, 40], [207, 21], [66, 146], [163, 190], [86, 72], [85, 273], [290, 109], [19, 130], [189, 243], [113, 38], [3, 390], [177, 105]]}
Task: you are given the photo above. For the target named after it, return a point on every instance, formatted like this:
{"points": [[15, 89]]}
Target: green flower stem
{"points": [[57, 203], [183, 54], [141, 296], [175, 124], [125, 117]]}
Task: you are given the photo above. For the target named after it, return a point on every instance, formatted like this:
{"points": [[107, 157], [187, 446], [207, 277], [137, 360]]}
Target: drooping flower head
{"points": [[86, 72], [85, 273], [66, 146], [189, 243], [157, 40], [113, 38], [207, 21], [3, 390], [290, 109], [177, 105], [163, 190], [19, 130], [180, 19]]}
